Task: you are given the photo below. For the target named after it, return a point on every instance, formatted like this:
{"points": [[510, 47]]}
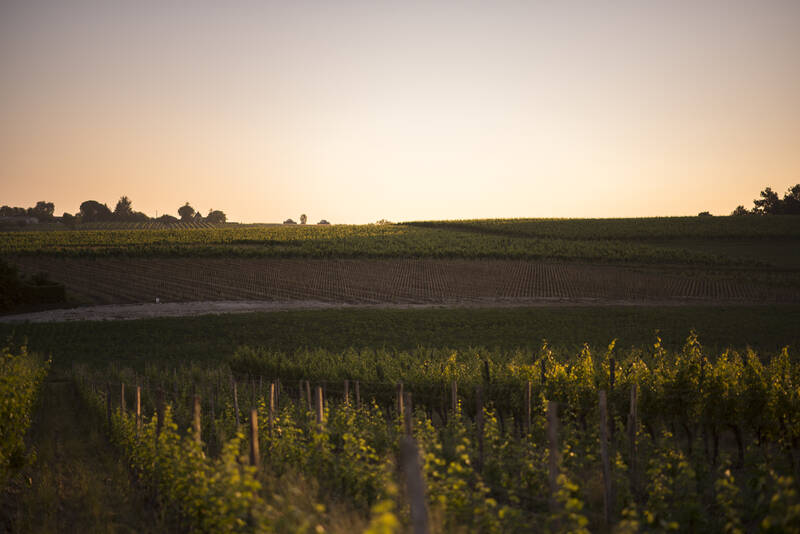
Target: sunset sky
{"points": [[359, 111]]}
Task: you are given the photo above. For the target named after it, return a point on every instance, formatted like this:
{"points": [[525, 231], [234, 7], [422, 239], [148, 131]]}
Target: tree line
{"points": [[94, 211], [770, 203]]}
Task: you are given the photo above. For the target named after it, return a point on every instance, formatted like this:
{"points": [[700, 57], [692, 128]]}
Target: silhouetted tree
{"points": [[167, 219], [791, 201], [303, 219], [186, 212], [289, 221], [216, 217], [740, 210], [124, 209], [42, 211], [323, 221], [769, 203], [68, 220], [704, 214], [91, 211]]}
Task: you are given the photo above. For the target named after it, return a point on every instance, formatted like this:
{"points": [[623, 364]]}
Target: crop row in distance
{"points": [[358, 281], [362, 241]]}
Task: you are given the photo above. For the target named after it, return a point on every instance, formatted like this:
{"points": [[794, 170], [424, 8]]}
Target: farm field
{"points": [[401, 281], [641, 381]]}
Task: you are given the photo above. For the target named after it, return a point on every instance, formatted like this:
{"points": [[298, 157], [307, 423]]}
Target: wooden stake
{"points": [[320, 413], [358, 396], [454, 397], [122, 398], [399, 405], [138, 408], [632, 447], [528, 395], [415, 484], [555, 453], [255, 456], [196, 428], [308, 396], [271, 407], [607, 495], [159, 412], [236, 403], [347, 392], [108, 404], [479, 424]]}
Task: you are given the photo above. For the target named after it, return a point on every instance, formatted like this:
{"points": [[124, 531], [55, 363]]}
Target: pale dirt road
{"points": [[116, 312]]}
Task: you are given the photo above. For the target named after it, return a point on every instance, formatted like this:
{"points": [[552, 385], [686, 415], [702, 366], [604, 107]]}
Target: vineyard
{"points": [[371, 241], [121, 280], [643, 441]]}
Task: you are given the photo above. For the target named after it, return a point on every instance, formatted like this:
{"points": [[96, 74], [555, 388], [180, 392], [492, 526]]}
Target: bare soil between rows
{"points": [[133, 288]]}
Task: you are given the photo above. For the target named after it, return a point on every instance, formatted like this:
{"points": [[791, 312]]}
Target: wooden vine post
{"points": [[159, 412], [454, 397], [555, 454], [196, 428], [400, 407], [122, 398], [255, 456], [138, 408], [608, 497], [358, 396], [479, 424], [236, 403], [308, 396], [632, 447], [528, 395], [272, 395], [347, 392], [320, 412]]}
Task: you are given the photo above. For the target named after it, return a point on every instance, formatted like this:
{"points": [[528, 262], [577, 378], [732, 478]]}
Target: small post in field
{"points": [[196, 428], [400, 401], [604, 457], [454, 397], [632, 431], [308, 396], [122, 398], [528, 395], [236, 402], [479, 424], [358, 396], [347, 392], [138, 408], [272, 395], [159, 412], [108, 404], [555, 453], [255, 456], [320, 413]]}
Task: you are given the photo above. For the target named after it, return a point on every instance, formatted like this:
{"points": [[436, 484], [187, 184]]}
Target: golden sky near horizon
{"points": [[359, 111]]}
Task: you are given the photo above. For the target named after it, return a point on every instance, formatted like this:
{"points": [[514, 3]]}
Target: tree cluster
{"points": [[43, 211], [94, 211], [770, 203]]}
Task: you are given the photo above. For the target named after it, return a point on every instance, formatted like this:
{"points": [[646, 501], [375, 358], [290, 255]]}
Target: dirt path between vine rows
{"points": [[77, 482], [113, 312]]}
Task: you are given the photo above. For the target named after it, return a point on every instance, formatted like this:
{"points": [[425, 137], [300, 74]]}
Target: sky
{"points": [[359, 111]]}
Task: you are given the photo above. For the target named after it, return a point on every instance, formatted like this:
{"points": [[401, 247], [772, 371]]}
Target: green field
{"points": [[610, 240]]}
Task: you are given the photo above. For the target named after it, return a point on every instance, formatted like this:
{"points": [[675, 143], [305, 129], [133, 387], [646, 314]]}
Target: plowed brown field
{"points": [[403, 281]]}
